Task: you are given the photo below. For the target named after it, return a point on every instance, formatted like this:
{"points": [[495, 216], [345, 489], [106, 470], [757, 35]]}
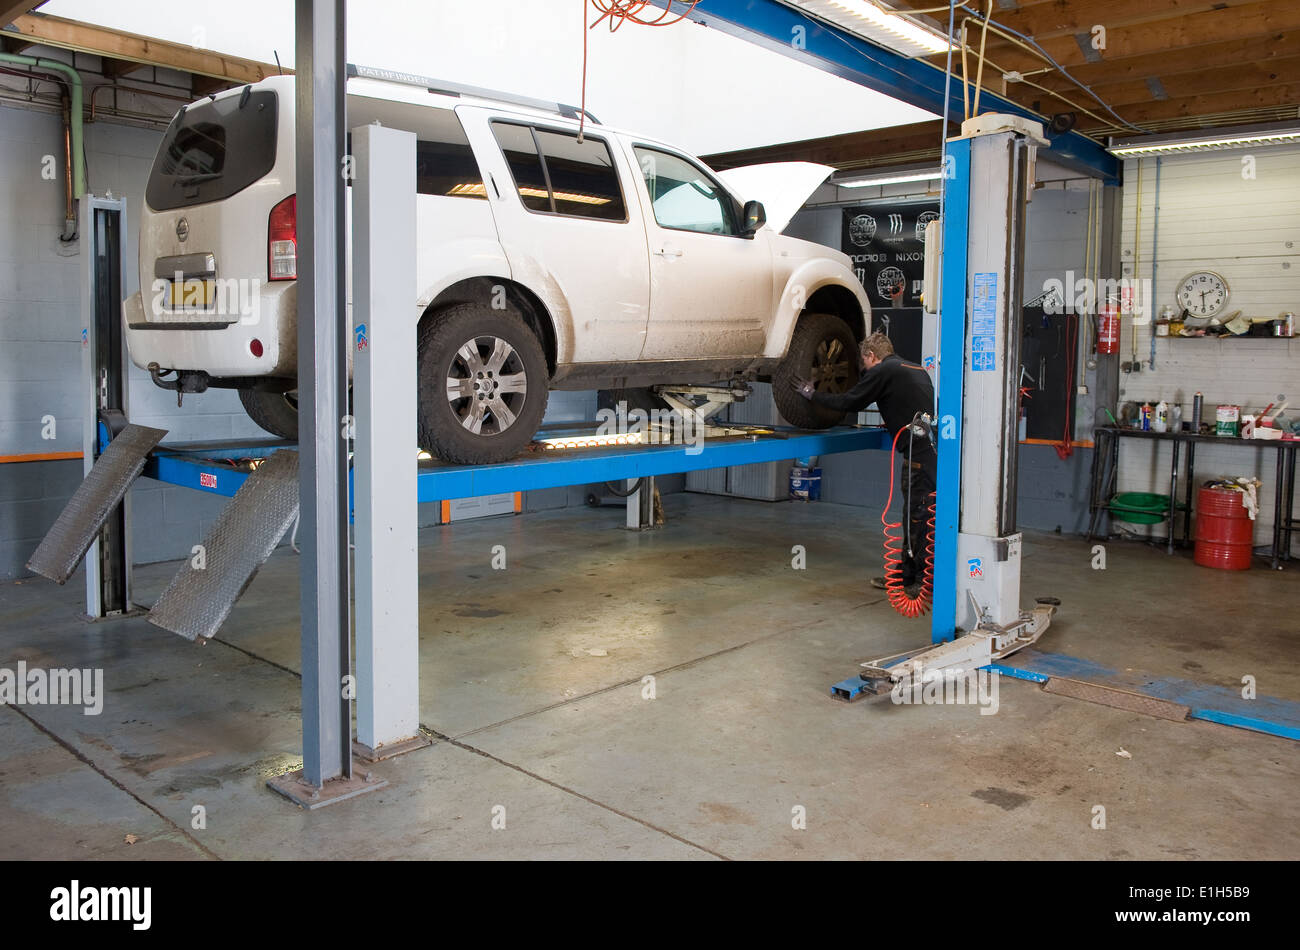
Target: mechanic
{"points": [[901, 391]]}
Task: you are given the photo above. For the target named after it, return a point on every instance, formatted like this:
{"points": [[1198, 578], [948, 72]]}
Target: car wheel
{"points": [[277, 413], [483, 384], [824, 350]]}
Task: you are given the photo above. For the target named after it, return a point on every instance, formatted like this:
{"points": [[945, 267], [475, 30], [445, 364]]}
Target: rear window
{"points": [[214, 150]]}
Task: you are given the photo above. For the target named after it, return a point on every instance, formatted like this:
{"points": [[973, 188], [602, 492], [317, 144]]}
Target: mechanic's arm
{"points": [[869, 387]]}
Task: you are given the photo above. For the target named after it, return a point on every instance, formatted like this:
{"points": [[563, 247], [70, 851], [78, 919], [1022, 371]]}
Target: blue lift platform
{"points": [[221, 468]]}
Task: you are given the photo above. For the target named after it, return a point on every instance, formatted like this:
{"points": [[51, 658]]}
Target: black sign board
{"points": [[887, 245]]}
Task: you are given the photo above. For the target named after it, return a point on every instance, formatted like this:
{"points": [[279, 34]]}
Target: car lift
{"points": [[976, 545], [261, 477]]}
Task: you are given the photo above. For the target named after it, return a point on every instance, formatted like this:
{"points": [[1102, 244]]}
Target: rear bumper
{"points": [[217, 347]]}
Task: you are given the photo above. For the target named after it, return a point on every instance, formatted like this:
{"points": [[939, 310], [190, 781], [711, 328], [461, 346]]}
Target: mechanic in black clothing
{"points": [[900, 390]]}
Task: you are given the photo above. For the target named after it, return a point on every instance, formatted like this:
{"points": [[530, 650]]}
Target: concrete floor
{"points": [[531, 680]]}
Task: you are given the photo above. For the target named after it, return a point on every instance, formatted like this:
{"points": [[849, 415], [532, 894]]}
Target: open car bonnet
{"points": [[783, 187]]}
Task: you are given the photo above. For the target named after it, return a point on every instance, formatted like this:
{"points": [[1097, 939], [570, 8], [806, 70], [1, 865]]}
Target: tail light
{"points": [[282, 241]]}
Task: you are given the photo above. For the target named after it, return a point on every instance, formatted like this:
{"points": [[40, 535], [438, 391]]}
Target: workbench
{"points": [[1105, 472]]}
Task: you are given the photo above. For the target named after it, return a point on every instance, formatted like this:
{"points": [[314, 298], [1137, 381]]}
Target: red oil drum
{"points": [[1224, 532]]}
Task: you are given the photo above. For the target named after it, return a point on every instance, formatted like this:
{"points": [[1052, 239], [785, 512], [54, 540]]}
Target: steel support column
{"points": [[323, 339]]}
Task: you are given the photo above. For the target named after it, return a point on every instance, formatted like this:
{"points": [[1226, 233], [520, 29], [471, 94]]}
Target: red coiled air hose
{"points": [[894, 589]]}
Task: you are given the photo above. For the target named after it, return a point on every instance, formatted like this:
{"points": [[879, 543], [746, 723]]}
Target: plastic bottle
{"points": [[1161, 421], [1176, 417]]}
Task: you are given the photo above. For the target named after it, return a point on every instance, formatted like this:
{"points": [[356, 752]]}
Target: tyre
{"points": [[482, 384], [822, 349], [277, 413]]}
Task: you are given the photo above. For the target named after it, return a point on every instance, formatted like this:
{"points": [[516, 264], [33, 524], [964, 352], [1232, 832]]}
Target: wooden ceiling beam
{"points": [[207, 85], [1069, 19], [10, 11], [1202, 83], [83, 37], [1193, 35], [1254, 51], [850, 150], [112, 68], [1193, 107]]}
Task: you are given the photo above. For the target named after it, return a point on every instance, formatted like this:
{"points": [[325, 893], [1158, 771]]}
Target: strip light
{"points": [[890, 179], [591, 441], [869, 20], [1209, 140]]}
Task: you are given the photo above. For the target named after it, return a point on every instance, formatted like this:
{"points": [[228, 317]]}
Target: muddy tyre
{"points": [[824, 350]]}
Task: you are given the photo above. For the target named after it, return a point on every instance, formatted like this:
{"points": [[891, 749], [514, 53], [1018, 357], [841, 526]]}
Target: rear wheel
{"points": [[823, 350], [277, 413], [483, 384]]}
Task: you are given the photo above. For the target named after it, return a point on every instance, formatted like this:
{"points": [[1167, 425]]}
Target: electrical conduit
{"points": [[77, 171]]}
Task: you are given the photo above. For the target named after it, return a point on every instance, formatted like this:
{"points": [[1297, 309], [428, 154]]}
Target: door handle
{"points": [[667, 252]]}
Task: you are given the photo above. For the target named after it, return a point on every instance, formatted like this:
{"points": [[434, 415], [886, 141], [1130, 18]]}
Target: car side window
{"points": [[444, 162], [683, 197], [555, 173], [520, 149]]}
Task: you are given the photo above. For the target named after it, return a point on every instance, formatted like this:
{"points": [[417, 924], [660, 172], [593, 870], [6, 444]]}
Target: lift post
{"points": [[976, 609], [384, 401], [104, 364]]}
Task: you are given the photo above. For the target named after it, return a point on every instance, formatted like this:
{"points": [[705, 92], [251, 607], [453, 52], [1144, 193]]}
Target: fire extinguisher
{"points": [[1108, 329]]}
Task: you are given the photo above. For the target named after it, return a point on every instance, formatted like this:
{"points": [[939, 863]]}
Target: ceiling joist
{"points": [[144, 50]]}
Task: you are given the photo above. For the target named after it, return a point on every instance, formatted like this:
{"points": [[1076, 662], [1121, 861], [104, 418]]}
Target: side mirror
{"points": [[755, 218]]}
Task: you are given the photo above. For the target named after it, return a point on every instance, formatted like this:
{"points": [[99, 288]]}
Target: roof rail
{"points": [[458, 89]]}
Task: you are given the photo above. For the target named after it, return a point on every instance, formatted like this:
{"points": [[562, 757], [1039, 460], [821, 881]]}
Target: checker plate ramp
{"points": [[77, 526], [1118, 698], [198, 600]]}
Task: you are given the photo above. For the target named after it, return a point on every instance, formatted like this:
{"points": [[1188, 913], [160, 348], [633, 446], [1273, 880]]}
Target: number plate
{"points": [[192, 294]]}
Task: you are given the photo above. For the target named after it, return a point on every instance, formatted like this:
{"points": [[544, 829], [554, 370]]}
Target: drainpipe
{"points": [[72, 123]]}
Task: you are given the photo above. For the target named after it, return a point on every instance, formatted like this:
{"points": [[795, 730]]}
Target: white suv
{"points": [[545, 261]]}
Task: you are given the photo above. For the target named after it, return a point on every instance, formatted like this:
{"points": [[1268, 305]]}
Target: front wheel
{"points": [[483, 384], [824, 350]]}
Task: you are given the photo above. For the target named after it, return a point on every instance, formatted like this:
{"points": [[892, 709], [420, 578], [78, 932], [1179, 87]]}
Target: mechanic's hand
{"points": [[806, 387]]}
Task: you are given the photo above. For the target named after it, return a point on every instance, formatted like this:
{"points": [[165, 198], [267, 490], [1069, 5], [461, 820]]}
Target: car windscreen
{"points": [[213, 150]]}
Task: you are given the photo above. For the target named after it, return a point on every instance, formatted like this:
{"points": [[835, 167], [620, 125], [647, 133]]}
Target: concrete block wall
{"points": [[40, 350]]}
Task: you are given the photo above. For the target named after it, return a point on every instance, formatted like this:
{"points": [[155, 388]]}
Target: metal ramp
{"points": [[200, 597], [95, 499]]}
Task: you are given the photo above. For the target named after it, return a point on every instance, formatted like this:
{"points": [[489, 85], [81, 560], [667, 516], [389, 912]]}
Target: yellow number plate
{"points": [[192, 294]]}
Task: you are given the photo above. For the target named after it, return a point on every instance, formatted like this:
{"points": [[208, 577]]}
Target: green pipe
{"points": [[74, 96]]}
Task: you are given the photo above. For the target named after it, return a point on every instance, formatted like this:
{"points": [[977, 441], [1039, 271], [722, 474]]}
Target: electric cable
{"points": [[618, 12]]}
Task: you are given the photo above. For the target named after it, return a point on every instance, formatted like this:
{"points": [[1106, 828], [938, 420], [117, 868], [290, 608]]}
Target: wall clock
{"points": [[1203, 294]]}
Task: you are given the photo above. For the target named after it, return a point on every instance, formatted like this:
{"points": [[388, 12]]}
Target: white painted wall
{"points": [[1211, 217]]}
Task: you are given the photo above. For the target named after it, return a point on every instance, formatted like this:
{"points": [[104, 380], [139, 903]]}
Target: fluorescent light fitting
{"points": [[871, 21], [890, 179], [1208, 140], [592, 441]]}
